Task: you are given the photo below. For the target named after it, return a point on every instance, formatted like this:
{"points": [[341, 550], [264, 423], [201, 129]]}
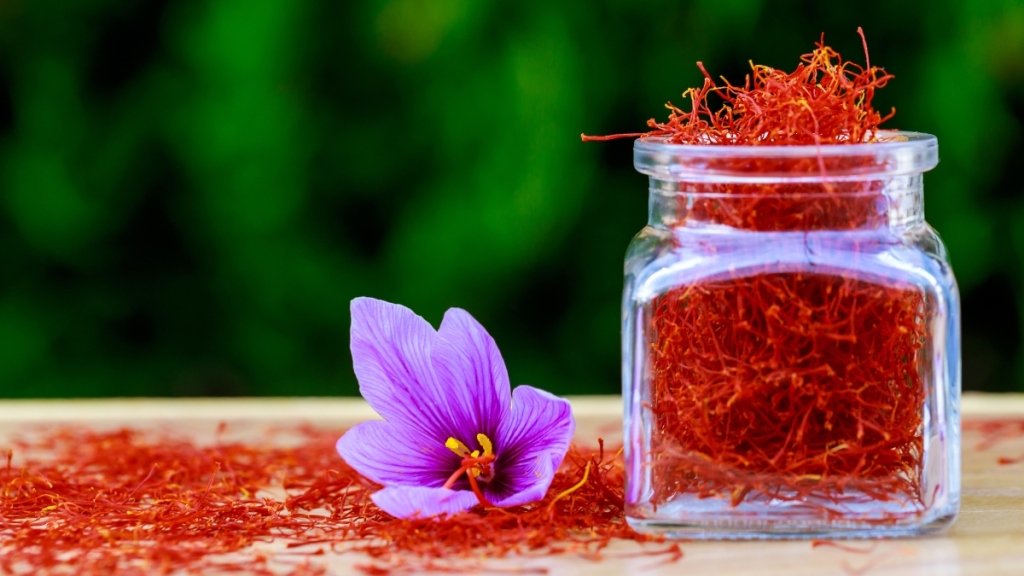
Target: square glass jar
{"points": [[791, 344]]}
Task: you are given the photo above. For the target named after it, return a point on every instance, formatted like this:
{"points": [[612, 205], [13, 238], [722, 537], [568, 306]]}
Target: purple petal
{"points": [[530, 446], [419, 502], [468, 364], [378, 451], [522, 483], [391, 349]]}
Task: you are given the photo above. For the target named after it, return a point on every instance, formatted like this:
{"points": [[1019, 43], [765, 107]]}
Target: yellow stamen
{"points": [[474, 471], [485, 443], [455, 446]]}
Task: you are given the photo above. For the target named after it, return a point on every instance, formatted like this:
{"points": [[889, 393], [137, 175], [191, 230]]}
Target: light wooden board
{"points": [[988, 537]]}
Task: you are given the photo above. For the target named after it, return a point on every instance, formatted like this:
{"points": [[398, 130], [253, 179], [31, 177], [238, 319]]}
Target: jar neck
{"points": [[893, 203]]}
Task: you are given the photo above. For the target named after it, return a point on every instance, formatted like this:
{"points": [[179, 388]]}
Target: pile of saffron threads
{"points": [[824, 101], [786, 384], [77, 501], [994, 431]]}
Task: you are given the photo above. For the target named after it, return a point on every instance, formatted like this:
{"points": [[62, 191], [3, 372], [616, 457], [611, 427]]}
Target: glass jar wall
{"points": [[791, 355]]}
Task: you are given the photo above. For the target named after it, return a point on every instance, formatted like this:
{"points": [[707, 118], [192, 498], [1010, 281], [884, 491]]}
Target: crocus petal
{"points": [[522, 482], [378, 451], [469, 366], [391, 349], [420, 502], [530, 444]]}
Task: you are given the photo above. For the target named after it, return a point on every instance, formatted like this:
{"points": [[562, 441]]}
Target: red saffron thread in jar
{"points": [[129, 502], [797, 385], [800, 386]]}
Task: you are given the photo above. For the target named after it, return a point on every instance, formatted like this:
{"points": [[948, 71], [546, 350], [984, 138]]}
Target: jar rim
{"points": [[895, 153]]}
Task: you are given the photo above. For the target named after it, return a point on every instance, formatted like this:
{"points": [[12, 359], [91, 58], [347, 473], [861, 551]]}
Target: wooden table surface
{"points": [[988, 537]]}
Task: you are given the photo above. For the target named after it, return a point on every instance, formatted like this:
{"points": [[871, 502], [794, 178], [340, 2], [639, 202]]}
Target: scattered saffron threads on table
{"points": [[77, 501], [844, 547], [994, 431], [872, 561], [783, 384], [875, 556]]}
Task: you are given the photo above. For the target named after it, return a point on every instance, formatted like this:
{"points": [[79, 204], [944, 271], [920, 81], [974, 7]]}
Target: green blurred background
{"points": [[192, 191]]}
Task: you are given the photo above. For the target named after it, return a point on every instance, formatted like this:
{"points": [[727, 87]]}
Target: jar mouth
{"points": [[674, 189], [895, 153]]}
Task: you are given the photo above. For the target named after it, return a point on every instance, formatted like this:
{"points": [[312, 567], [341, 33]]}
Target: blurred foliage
{"points": [[191, 192]]}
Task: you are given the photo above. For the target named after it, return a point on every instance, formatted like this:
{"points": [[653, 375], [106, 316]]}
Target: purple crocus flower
{"points": [[454, 434]]}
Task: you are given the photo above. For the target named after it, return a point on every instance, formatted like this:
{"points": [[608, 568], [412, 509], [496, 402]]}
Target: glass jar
{"points": [[791, 344]]}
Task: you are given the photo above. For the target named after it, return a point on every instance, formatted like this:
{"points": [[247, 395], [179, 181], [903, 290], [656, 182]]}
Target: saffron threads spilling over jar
{"points": [[85, 502], [791, 355]]}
